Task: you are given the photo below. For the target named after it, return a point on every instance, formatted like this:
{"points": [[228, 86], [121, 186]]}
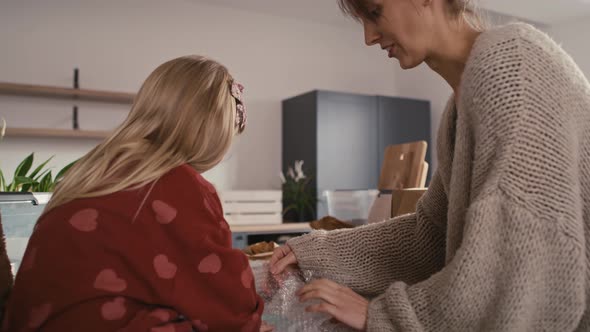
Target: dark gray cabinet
{"points": [[342, 136]]}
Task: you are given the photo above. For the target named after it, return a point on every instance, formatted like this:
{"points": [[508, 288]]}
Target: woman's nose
{"points": [[371, 35]]}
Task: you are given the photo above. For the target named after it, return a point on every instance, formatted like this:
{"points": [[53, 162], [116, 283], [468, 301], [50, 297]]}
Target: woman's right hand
{"points": [[282, 257]]}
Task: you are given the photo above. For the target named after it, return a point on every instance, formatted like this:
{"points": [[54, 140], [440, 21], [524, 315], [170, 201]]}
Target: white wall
{"points": [[573, 37], [117, 43]]}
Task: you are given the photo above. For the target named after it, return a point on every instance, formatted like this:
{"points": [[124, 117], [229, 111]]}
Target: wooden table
{"points": [[240, 233]]}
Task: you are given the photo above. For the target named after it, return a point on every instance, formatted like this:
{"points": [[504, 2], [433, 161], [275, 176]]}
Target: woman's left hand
{"points": [[338, 301]]}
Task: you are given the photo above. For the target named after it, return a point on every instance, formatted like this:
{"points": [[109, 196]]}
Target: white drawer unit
{"points": [[252, 207]]}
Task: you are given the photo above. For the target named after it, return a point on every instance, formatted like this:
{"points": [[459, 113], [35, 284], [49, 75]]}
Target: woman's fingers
{"points": [[338, 301], [278, 254], [320, 284], [327, 308], [282, 257]]}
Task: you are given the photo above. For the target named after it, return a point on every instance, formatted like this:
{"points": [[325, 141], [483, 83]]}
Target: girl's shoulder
{"points": [[186, 176]]}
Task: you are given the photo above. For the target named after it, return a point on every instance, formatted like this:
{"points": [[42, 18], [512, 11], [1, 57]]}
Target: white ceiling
{"points": [[547, 12]]}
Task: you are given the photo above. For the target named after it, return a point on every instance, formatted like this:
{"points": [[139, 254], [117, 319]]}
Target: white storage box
{"points": [[20, 212], [252, 207], [350, 205]]}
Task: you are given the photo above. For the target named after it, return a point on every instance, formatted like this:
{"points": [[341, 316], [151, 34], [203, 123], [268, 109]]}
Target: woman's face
{"points": [[401, 27]]}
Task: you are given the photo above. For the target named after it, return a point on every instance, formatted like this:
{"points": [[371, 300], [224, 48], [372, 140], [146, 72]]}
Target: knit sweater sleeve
{"points": [[512, 271], [368, 259]]}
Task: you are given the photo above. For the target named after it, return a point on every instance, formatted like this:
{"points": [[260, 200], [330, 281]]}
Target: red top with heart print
{"points": [[155, 259]]}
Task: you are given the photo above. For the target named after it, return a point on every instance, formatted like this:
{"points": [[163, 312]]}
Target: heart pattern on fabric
{"points": [[165, 213], [85, 220], [39, 315], [210, 264], [114, 310], [108, 280], [164, 268]]}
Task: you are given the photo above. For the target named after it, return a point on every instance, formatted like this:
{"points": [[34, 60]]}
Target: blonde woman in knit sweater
{"points": [[500, 242]]}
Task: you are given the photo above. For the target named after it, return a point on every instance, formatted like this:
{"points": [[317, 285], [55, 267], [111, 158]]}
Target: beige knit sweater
{"points": [[501, 240]]}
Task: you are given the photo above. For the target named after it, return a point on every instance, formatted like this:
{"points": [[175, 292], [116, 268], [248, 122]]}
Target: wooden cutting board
{"points": [[404, 201], [403, 166]]}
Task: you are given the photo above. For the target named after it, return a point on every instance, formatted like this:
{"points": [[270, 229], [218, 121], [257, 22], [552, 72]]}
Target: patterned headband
{"points": [[236, 91]]}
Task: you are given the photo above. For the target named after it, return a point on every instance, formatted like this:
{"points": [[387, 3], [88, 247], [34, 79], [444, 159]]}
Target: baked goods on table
{"points": [[263, 250], [329, 224], [260, 250]]}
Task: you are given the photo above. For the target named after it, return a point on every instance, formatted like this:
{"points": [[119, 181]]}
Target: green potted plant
{"points": [[299, 199], [28, 185], [27, 179]]}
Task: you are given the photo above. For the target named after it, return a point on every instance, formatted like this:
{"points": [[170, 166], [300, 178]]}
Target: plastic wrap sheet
{"points": [[282, 307]]}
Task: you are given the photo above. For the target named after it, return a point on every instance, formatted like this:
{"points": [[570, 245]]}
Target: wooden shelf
{"points": [[57, 133], [65, 93]]}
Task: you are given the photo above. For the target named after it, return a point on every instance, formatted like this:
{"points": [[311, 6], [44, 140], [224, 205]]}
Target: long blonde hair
{"points": [[184, 113]]}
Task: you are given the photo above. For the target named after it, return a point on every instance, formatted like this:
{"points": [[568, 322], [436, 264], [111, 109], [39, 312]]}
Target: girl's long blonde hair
{"points": [[184, 113]]}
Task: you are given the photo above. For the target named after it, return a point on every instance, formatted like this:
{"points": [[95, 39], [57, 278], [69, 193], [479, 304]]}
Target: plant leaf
{"points": [[23, 168], [63, 171], [38, 169], [289, 208], [22, 180], [31, 187], [40, 176], [45, 183], [2, 181], [19, 181]]}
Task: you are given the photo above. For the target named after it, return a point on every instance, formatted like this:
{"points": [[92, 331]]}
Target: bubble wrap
{"points": [[282, 308]]}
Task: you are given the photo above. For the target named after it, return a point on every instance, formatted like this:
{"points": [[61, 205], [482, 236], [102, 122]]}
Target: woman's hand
{"points": [[282, 257], [338, 301]]}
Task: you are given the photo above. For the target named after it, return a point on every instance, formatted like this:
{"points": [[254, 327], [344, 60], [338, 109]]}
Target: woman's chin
{"points": [[408, 63]]}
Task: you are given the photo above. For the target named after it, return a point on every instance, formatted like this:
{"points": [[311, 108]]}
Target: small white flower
{"points": [[282, 176], [291, 173], [3, 128], [299, 170]]}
